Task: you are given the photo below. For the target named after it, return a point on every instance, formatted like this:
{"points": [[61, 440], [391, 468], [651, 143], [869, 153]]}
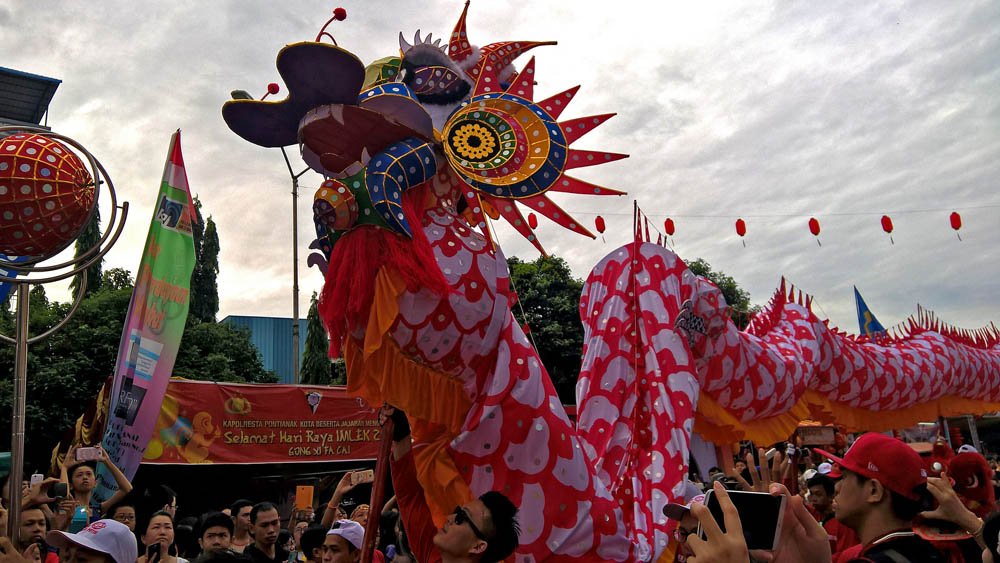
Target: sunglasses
{"points": [[462, 517]]}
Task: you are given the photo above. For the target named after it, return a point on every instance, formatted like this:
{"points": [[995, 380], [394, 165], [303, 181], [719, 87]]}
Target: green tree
{"points": [[88, 239], [549, 298], [220, 352], [736, 297], [204, 277], [117, 278], [67, 369], [316, 366]]}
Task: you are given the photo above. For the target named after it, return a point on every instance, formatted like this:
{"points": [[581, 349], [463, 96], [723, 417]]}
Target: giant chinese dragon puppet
{"points": [[420, 151]]}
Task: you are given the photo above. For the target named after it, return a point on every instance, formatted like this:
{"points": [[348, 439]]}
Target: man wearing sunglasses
{"points": [[483, 530]]}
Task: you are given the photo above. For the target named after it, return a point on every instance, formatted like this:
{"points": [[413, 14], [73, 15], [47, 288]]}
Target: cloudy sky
{"points": [[770, 111]]}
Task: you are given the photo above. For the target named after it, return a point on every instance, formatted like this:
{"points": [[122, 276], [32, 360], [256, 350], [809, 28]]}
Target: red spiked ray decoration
{"points": [[956, 223], [887, 227], [814, 229], [508, 150], [741, 229]]}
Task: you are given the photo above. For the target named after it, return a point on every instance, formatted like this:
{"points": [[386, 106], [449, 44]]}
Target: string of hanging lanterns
{"points": [[954, 219]]}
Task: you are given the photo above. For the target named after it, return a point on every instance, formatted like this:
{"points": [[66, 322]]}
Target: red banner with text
{"points": [[206, 422]]}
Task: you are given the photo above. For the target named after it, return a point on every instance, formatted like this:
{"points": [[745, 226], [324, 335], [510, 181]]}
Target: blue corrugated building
{"points": [[273, 338]]}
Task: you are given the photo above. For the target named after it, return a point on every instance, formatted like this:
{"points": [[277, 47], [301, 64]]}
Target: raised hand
{"points": [[718, 546], [802, 537]]}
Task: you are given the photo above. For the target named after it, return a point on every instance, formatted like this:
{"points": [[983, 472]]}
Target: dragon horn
{"points": [[458, 46], [500, 55], [403, 45]]}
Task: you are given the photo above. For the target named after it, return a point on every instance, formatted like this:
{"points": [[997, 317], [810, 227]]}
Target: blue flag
{"points": [[4, 286], [867, 322]]}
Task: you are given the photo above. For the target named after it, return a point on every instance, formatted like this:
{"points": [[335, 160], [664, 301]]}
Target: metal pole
{"points": [[295, 279], [974, 433], [17, 422], [378, 491]]}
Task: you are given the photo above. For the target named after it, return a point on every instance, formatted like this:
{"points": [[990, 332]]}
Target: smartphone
{"points": [[36, 478], [88, 454], [770, 454], [304, 497], [59, 490], [761, 515], [153, 552], [366, 476]]}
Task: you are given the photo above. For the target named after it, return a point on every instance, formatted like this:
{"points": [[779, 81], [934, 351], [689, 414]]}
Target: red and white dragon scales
{"points": [[419, 151]]}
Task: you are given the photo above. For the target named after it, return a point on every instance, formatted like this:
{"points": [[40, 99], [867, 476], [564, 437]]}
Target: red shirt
{"points": [[841, 537], [417, 522]]}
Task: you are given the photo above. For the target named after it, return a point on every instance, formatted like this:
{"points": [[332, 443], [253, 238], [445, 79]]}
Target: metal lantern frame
{"points": [[50, 273]]}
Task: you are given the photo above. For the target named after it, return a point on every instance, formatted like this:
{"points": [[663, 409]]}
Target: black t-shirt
{"points": [[907, 548], [258, 556]]}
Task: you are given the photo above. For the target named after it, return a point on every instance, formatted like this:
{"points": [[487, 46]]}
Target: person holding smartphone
{"points": [[687, 524], [347, 483], [158, 537], [882, 490], [81, 476]]}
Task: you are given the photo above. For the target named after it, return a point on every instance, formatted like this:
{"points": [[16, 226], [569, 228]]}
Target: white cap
{"points": [[966, 448], [109, 537], [350, 530], [824, 468], [810, 473]]}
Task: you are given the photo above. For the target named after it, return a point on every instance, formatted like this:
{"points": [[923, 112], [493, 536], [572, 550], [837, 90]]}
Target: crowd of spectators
{"points": [[62, 522], [878, 502]]}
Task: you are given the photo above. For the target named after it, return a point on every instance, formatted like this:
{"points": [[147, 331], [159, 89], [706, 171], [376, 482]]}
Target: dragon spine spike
{"points": [[404, 46], [486, 78], [573, 129], [500, 55], [568, 184], [579, 158], [475, 207], [523, 83], [459, 48], [416, 38], [507, 208], [427, 40], [556, 104], [547, 207]]}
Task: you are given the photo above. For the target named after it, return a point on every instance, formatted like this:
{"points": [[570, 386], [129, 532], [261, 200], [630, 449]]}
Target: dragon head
{"points": [[455, 110]]}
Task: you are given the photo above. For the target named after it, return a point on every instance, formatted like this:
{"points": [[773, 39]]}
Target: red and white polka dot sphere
{"points": [[46, 194]]}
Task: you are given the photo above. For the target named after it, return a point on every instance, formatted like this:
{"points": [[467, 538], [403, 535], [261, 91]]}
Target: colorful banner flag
{"points": [[867, 322], [208, 422], [154, 324]]}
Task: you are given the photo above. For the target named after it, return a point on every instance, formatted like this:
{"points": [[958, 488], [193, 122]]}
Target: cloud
{"points": [[767, 110]]}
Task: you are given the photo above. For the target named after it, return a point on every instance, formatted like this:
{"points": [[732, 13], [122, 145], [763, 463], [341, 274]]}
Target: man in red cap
{"points": [[881, 492]]}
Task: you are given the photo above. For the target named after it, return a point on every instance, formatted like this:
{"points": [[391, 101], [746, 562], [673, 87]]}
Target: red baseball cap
{"points": [[887, 460]]}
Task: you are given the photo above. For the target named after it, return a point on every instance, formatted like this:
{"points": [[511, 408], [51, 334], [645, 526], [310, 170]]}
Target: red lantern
{"points": [[668, 226], [887, 227], [532, 221], [814, 229], [741, 229], [956, 223], [599, 223]]}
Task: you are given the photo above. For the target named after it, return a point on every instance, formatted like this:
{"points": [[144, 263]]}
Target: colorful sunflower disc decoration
{"points": [[505, 146]]}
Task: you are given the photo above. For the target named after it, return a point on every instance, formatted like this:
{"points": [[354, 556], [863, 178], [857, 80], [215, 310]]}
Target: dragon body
{"points": [[419, 152]]}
